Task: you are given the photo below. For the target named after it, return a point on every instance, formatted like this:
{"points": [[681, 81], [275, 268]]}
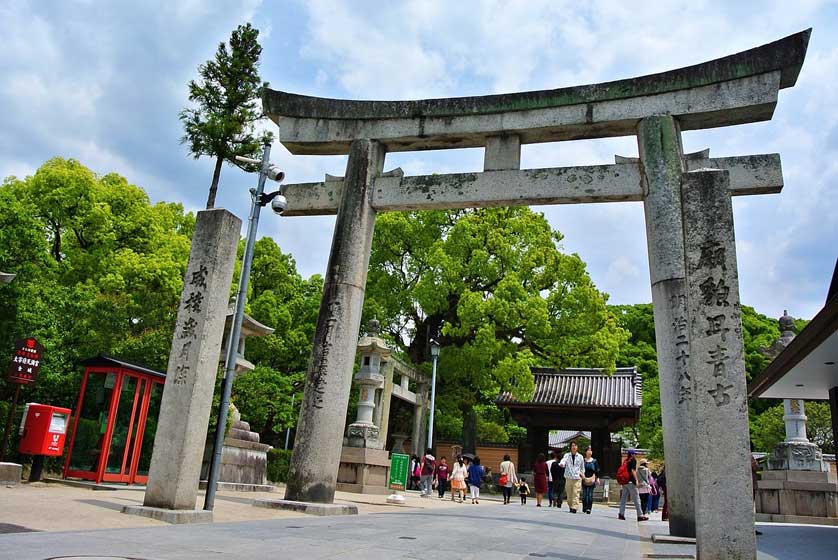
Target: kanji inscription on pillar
{"points": [[724, 514]]}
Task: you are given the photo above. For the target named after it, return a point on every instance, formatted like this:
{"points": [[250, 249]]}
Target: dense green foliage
{"points": [[759, 332], [494, 289], [100, 271], [227, 99], [279, 460]]}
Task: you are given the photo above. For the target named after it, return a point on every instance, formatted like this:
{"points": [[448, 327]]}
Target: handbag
{"points": [[503, 480], [589, 480]]}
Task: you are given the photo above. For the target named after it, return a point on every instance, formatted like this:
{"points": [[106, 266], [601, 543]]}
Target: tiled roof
{"points": [[559, 438], [583, 387]]}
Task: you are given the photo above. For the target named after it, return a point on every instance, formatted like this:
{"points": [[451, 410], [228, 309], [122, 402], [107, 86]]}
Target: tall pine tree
{"points": [[227, 98]]}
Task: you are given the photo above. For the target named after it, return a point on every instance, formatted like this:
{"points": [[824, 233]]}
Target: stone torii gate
{"points": [[691, 256]]}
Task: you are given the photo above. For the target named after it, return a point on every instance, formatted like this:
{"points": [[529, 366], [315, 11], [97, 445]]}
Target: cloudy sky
{"points": [[103, 82]]}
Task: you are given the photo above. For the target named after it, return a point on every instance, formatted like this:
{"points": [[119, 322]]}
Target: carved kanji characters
{"points": [[716, 325], [720, 395], [199, 277], [713, 293], [194, 302], [718, 358], [712, 255], [188, 330]]}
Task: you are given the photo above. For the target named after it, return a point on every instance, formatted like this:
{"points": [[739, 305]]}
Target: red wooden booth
{"points": [[115, 422]]}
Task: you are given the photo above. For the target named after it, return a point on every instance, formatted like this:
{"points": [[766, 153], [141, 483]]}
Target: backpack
{"points": [[623, 474]]}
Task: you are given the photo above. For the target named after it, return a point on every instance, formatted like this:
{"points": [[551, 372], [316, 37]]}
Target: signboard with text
{"points": [[398, 471], [26, 361]]}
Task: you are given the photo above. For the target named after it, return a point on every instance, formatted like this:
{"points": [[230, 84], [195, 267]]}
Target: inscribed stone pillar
{"points": [[319, 440], [659, 144], [193, 363], [723, 488]]}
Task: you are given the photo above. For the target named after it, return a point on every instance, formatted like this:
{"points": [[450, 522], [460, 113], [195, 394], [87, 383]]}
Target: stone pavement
{"points": [[486, 531]]}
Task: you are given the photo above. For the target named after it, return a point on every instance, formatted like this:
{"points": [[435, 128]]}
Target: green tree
{"points": [[227, 97], [494, 289], [99, 271]]}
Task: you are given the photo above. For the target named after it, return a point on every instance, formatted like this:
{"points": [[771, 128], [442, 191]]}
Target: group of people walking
{"points": [[574, 475], [571, 476], [427, 474], [642, 485]]}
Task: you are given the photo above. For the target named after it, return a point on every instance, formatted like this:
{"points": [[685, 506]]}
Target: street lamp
{"points": [[435, 356], [278, 204], [6, 277]]}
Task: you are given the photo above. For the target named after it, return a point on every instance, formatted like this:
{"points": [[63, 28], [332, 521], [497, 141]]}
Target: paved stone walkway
{"points": [[487, 531]]}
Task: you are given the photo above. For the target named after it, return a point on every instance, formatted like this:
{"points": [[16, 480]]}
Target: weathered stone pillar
{"points": [[317, 446], [193, 363], [723, 489], [659, 144], [385, 398]]}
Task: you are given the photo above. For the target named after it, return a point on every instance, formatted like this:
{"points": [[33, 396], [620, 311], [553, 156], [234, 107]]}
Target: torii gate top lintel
{"points": [[735, 89]]}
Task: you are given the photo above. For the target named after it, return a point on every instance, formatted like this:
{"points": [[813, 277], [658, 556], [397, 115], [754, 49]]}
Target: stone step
{"points": [[244, 435]]}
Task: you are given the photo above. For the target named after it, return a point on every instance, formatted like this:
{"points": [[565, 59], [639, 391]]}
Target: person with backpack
{"points": [[475, 479], [574, 466], [426, 473], [627, 479], [557, 483]]}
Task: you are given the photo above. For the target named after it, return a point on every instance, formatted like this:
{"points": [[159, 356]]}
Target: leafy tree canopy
{"points": [[494, 289], [222, 125]]}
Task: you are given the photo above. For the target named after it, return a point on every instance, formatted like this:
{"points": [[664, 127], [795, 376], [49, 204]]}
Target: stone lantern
{"points": [[373, 351], [796, 453]]}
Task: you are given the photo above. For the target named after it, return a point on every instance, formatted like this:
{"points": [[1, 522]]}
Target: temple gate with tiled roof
{"points": [[702, 379], [577, 399]]}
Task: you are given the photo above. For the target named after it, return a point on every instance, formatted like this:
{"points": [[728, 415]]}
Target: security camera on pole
{"points": [[278, 204]]}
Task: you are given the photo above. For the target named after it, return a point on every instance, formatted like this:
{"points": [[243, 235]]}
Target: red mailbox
{"points": [[43, 429]]}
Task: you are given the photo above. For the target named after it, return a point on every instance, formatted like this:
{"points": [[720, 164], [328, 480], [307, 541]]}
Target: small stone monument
{"points": [[796, 453], [190, 378], [797, 487], [364, 463]]}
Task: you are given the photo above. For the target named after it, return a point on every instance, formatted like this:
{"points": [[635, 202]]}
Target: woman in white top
{"points": [[507, 469], [458, 480]]}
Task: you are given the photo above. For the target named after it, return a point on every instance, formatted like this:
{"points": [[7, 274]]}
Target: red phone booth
{"points": [[116, 418], [43, 429]]}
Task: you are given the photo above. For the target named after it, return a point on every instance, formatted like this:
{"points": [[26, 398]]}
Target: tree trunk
{"points": [[214, 186], [469, 431]]}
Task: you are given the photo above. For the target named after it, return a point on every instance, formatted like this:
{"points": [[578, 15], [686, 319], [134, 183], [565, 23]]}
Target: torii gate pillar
{"points": [[661, 157], [317, 446]]}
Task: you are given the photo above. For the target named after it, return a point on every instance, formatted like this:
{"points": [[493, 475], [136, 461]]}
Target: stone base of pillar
{"points": [[796, 456], [173, 516], [797, 494], [363, 471], [244, 460]]}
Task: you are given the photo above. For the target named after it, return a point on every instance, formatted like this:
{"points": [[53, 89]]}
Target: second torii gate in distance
{"points": [[737, 89]]}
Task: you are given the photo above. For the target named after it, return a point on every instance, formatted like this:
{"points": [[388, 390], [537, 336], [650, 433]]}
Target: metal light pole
{"points": [[435, 355], [258, 200]]}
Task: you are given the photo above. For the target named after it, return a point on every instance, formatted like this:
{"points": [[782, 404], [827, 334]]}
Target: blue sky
{"points": [[103, 82]]}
